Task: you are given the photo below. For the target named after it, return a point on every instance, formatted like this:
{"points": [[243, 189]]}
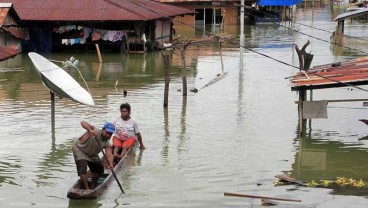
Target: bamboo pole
{"points": [[261, 197], [98, 53]]}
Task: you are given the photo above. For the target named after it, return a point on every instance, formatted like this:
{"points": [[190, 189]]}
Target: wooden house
{"points": [[208, 12], [116, 25], [10, 32]]}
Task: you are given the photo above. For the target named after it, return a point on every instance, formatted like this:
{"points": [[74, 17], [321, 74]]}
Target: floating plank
{"points": [[261, 197], [289, 179]]}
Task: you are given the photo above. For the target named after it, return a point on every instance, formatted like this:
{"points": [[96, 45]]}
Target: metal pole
{"points": [[241, 33]]}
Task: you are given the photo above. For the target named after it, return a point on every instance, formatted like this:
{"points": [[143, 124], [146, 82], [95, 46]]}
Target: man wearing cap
{"points": [[86, 150]]}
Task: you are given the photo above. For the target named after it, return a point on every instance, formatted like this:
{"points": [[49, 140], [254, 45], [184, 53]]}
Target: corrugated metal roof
{"points": [[94, 10], [3, 14], [177, 1], [8, 16], [7, 52], [332, 75], [352, 14]]}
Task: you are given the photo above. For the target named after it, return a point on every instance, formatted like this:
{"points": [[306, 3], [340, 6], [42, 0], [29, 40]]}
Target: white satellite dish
{"points": [[59, 81]]}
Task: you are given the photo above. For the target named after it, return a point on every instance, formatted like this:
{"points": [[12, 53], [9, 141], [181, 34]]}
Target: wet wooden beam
{"points": [[326, 86], [261, 197], [343, 100]]}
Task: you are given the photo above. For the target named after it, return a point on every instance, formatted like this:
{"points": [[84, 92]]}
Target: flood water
{"points": [[233, 135]]}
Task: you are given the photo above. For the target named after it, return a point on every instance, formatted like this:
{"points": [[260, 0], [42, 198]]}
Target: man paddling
{"points": [[86, 150]]}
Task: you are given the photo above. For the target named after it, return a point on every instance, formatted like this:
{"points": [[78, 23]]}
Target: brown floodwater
{"points": [[234, 135]]}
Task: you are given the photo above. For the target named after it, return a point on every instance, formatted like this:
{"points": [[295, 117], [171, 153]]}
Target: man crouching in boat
{"points": [[86, 150]]}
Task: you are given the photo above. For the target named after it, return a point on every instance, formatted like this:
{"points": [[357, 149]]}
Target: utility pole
{"points": [[241, 33]]}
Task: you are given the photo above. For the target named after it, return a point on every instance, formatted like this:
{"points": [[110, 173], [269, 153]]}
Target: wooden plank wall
{"points": [[231, 13]]}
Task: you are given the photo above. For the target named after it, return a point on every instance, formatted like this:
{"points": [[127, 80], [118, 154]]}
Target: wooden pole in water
{"points": [[183, 69], [302, 121], [165, 59], [52, 94], [311, 99], [98, 53], [305, 60], [261, 197]]}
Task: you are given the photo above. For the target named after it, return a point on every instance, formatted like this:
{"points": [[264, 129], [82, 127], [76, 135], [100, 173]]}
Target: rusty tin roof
{"points": [[94, 10], [353, 72], [7, 52]]}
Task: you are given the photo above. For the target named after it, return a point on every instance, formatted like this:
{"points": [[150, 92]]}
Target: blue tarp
{"points": [[278, 2]]}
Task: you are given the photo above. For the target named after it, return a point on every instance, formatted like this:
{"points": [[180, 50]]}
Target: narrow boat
{"points": [[59, 81], [78, 192]]}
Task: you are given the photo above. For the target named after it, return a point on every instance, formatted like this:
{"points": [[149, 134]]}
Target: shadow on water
{"points": [[84, 203]]}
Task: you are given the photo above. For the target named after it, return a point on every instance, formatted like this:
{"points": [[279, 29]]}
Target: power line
{"points": [[250, 8], [235, 43], [358, 38]]}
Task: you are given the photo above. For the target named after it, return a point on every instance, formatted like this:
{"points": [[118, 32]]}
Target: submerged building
{"points": [[224, 12], [116, 25], [11, 33]]}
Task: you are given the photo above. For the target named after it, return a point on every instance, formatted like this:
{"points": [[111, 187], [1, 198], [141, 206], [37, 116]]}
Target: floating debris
{"points": [[322, 183]]}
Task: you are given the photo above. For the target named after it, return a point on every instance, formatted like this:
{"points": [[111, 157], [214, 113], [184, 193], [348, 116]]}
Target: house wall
{"points": [[228, 11], [6, 39]]}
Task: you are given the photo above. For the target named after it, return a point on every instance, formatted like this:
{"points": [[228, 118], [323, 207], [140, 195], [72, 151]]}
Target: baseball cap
{"points": [[109, 127]]}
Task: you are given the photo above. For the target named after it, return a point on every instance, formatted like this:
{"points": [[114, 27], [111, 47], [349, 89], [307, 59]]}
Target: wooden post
{"points": [[305, 60], [223, 10], [165, 59], [310, 98], [222, 61], [302, 122], [340, 26], [338, 34], [98, 53], [52, 95], [183, 69]]}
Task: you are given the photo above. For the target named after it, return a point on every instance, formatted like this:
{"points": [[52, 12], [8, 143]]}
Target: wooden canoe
{"points": [[76, 192]]}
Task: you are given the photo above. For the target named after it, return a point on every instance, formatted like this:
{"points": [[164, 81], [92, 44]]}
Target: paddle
{"points": [[108, 163]]}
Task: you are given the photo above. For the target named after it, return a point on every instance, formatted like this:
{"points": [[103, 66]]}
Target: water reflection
{"points": [[165, 142], [51, 163], [84, 204], [319, 158], [183, 125], [9, 168]]}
